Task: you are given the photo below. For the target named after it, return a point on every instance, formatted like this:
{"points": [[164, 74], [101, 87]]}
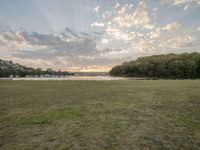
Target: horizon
{"points": [[94, 36], [93, 71]]}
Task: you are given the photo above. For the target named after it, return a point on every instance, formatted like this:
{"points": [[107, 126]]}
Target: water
{"points": [[87, 78]]}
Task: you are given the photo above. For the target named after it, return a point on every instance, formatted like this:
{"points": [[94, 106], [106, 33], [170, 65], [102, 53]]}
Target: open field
{"points": [[96, 115]]}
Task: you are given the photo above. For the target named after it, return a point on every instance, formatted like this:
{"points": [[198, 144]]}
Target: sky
{"points": [[95, 35]]}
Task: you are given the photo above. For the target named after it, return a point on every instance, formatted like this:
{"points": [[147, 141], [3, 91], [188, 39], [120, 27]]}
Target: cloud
{"points": [[155, 9], [110, 51], [122, 20], [198, 29], [181, 41], [103, 41], [126, 16], [49, 45], [117, 5], [107, 14], [149, 26], [69, 33], [131, 29], [174, 26], [186, 6], [154, 34], [63, 49], [12, 39], [67, 42], [93, 68], [181, 2], [185, 3], [129, 16], [116, 34], [97, 8], [97, 24]]}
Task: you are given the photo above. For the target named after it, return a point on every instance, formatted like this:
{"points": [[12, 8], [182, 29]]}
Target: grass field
{"points": [[97, 115]]}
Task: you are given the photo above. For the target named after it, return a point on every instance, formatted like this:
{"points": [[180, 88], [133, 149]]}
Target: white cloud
{"points": [[185, 3], [116, 34], [181, 2], [126, 16], [198, 29], [111, 51], [154, 34], [186, 6], [174, 26], [13, 39], [117, 5], [97, 24], [107, 14], [129, 16], [181, 41], [155, 9], [104, 41], [97, 8], [149, 26], [131, 28]]}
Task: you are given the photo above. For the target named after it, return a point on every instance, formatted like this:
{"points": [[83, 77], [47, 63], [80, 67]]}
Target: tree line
{"points": [[10, 69], [173, 66]]}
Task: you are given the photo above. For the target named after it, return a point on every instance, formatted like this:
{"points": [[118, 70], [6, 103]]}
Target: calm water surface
{"points": [[70, 78]]}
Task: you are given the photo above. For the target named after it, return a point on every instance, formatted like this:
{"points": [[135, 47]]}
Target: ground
{"points": [[97, 115]]}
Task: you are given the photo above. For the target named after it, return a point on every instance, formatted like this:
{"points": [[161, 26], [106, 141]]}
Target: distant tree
{"points": [[162, 66], [196, 58], [176, 69], [115, 71], [8, 68], [59, 72], [49, 71], [190, 68], [39, 72]]}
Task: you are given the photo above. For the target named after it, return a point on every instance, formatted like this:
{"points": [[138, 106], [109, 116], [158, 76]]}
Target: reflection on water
{"points": [[71, 78]]}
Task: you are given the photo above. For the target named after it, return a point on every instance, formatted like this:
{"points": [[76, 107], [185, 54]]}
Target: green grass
{"points": [[96, 115]]}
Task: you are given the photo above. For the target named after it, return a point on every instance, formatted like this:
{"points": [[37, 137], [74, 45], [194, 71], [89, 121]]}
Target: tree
{"points": [[190, 69], [49, 71], [115, 71], [39, 72], [162, 66]]}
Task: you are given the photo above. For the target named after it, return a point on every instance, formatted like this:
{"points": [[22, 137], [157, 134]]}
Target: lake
{"points": [[106, 78]]}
